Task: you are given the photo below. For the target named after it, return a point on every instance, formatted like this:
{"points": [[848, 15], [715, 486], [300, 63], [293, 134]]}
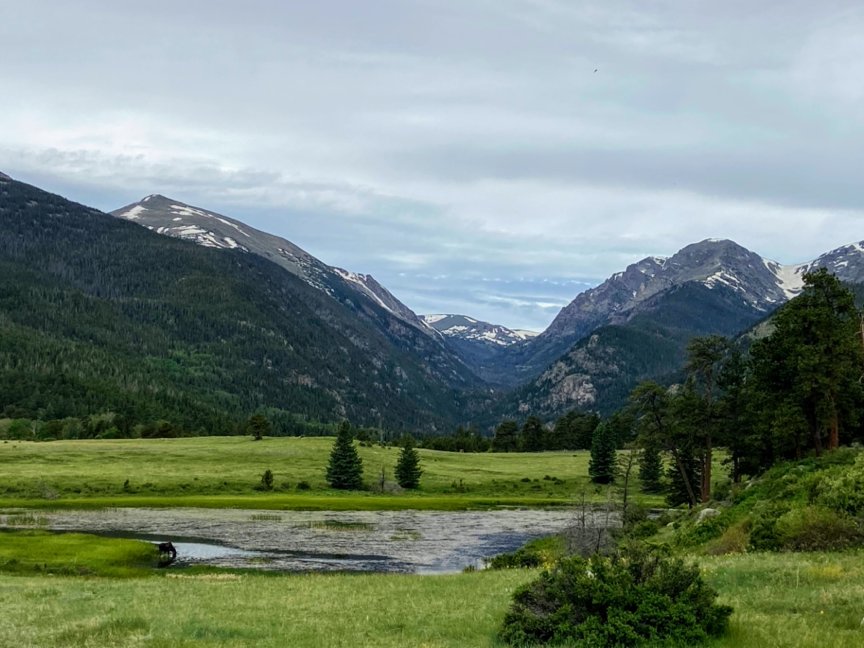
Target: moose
{"points": [[166, 549]]}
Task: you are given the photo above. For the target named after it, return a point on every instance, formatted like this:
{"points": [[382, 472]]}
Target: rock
{"points": [[706, 513]]}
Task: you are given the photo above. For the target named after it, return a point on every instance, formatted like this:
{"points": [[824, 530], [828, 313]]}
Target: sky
{"points": [[486, 157]]}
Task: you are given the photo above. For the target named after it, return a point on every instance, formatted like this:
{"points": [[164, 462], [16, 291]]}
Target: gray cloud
{"points": [[465, 153]]}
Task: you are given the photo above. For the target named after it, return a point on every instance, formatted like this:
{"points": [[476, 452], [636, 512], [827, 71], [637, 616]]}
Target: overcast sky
{"points": [[464, 152]]}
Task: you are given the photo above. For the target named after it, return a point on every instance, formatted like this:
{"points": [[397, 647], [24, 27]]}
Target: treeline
{"points": [[798, 391], [573, 431], [111, 425]]}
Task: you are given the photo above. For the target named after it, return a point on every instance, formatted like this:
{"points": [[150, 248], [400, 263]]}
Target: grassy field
{"points": [[780, 600], [223, 471], [74, 554]]}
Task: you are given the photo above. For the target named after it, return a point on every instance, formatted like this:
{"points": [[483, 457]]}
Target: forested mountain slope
{"points": [[600, 370], [756, 284], [360, 293], [99, 314]]}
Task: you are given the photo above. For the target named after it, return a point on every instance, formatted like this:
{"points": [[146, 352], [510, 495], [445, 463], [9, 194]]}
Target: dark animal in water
{"points": [[166, 548]]}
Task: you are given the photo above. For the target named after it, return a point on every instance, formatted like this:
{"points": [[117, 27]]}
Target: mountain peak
{"points": [[467, 328], [3, 176]]}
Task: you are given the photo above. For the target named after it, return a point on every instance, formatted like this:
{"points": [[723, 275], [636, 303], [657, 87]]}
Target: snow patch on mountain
{"points": [[467, 328]]}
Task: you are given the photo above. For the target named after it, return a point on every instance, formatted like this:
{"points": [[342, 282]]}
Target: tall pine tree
{"points": [[602, 465], [533, 435], [651, 470], [408, 467], [506, 437], [345, 469]]}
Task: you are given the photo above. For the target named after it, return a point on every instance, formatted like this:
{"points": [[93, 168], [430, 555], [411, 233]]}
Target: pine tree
{"points": [[603, 461], [533, 435], [345, 469], [259, 426], [408, 467], [506, 437], [651, 470]]}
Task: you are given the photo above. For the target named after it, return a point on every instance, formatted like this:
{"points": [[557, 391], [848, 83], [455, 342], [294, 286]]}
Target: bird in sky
{"points": [[595, 71]]}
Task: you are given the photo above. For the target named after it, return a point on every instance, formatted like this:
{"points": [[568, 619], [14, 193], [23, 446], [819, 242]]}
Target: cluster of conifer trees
{"points": [[798, 390]]}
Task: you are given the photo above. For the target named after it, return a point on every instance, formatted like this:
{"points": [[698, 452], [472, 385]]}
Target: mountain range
{"points": [[199, 316]]}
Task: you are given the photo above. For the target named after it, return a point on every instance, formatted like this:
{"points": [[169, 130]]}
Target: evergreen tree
{"points": [[408, 467], [345, 469], [602, 465], [533, 435], [678, 488], [506, 437], [812, 362], [259, 426], [704, 356], [651, 470]]}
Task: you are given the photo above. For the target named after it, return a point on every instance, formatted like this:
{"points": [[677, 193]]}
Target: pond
{"points": [[422, 542]]}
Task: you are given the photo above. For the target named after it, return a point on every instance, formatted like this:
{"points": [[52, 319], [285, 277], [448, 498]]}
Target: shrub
{"points": [[266, 483], [733, 541], [763, 535], [303, 485], [521, 558], [644, 529], [845, 492], [628, 599], [815, 529]]}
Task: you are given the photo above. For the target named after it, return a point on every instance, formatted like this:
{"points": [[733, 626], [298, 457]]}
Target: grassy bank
{"points": [[789, 600], [74, 554], [224, 471]]}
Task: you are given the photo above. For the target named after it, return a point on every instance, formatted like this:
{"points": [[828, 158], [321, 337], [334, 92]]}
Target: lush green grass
{"points": [[223, 471], [229, 610], [42, 552], [788, 600], [791, 600]]}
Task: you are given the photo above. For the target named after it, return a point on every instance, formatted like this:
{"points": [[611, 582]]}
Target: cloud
{"points": [[465, 153]]}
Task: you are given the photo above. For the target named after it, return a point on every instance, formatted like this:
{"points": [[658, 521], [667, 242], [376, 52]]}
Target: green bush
{"points": [[522, 558], [303, 485], [629, 599], [815, 529], [846, 491], [644, 529], [266, 483]]}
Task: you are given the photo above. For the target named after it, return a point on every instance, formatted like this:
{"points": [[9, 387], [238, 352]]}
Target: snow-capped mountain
{"points": [[177, 219], [760, 284], [636, 324], [478, 343], [468, 328], [360, 293]]}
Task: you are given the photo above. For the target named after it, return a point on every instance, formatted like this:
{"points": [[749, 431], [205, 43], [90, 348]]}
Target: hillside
{"points": [[101, 314], [600, 370], [359, 293], [758, 286]]}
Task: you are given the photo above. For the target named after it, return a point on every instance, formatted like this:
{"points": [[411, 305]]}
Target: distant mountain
{"points": [[636, 324], [474, 340], [759, 284], [361, 293], [98, 314]]}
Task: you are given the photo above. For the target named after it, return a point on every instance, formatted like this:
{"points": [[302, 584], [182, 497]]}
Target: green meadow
{"points": [[780, 600], [224, 471]]}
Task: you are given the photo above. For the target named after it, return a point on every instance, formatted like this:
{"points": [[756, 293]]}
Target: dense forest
{"points": [[99, 315]]}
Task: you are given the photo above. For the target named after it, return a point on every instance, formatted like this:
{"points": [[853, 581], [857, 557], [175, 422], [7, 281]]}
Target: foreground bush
{"points": [[628, 599]]}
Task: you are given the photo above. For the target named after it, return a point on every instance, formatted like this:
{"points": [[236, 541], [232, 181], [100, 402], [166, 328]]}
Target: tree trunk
{"points": [[706, 471], [834, 432], [817, 438], [686, 479]]}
